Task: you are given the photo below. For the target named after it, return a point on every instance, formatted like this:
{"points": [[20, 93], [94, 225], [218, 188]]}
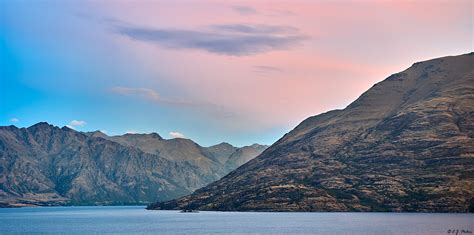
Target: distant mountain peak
{"points": [[256, 145], [152, 135], [222, 144], [41, 124], [66, 128], [156, 135], [42, 127], [96, 133]]}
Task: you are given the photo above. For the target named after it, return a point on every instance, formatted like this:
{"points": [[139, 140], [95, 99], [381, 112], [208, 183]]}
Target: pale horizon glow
{"points": [[241, 72]]}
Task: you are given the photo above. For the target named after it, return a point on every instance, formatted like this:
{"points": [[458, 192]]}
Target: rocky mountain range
{"points": [[48, 165], [406, 144]]}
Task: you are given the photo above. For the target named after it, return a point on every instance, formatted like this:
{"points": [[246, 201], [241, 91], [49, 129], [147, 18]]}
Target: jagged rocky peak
{"points": [[40, 125], [10, 127]]}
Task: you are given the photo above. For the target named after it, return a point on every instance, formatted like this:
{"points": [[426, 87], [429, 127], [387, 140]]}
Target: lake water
{"points": [[137, 220]]}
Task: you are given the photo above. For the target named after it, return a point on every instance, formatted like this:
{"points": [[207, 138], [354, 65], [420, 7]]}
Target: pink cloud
{"points": [[351, 46]]}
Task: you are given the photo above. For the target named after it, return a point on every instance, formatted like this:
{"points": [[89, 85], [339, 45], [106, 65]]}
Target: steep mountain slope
{"points": [[47, 165], [405, 145]]}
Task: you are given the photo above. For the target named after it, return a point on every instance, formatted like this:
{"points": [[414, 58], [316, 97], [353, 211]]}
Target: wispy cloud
{"points": [[197, 107], [244, 10], [150, 95], [265, 69], [256, 28], [227, 39], [175, 134], [14, 120], [141, 92], [280, 13]]}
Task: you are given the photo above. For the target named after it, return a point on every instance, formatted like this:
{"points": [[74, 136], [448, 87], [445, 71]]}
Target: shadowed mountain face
{"points": [[405, 145], [47, 165]]}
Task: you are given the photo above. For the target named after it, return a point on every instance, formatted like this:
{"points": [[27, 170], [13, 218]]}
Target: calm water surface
{"points": [[137, 220]]}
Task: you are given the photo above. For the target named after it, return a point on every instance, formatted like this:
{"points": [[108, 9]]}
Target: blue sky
{"points": [[242, 73]]}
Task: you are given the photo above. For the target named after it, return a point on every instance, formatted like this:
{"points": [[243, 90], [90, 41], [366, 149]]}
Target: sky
{"points": [[242, 72]]}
